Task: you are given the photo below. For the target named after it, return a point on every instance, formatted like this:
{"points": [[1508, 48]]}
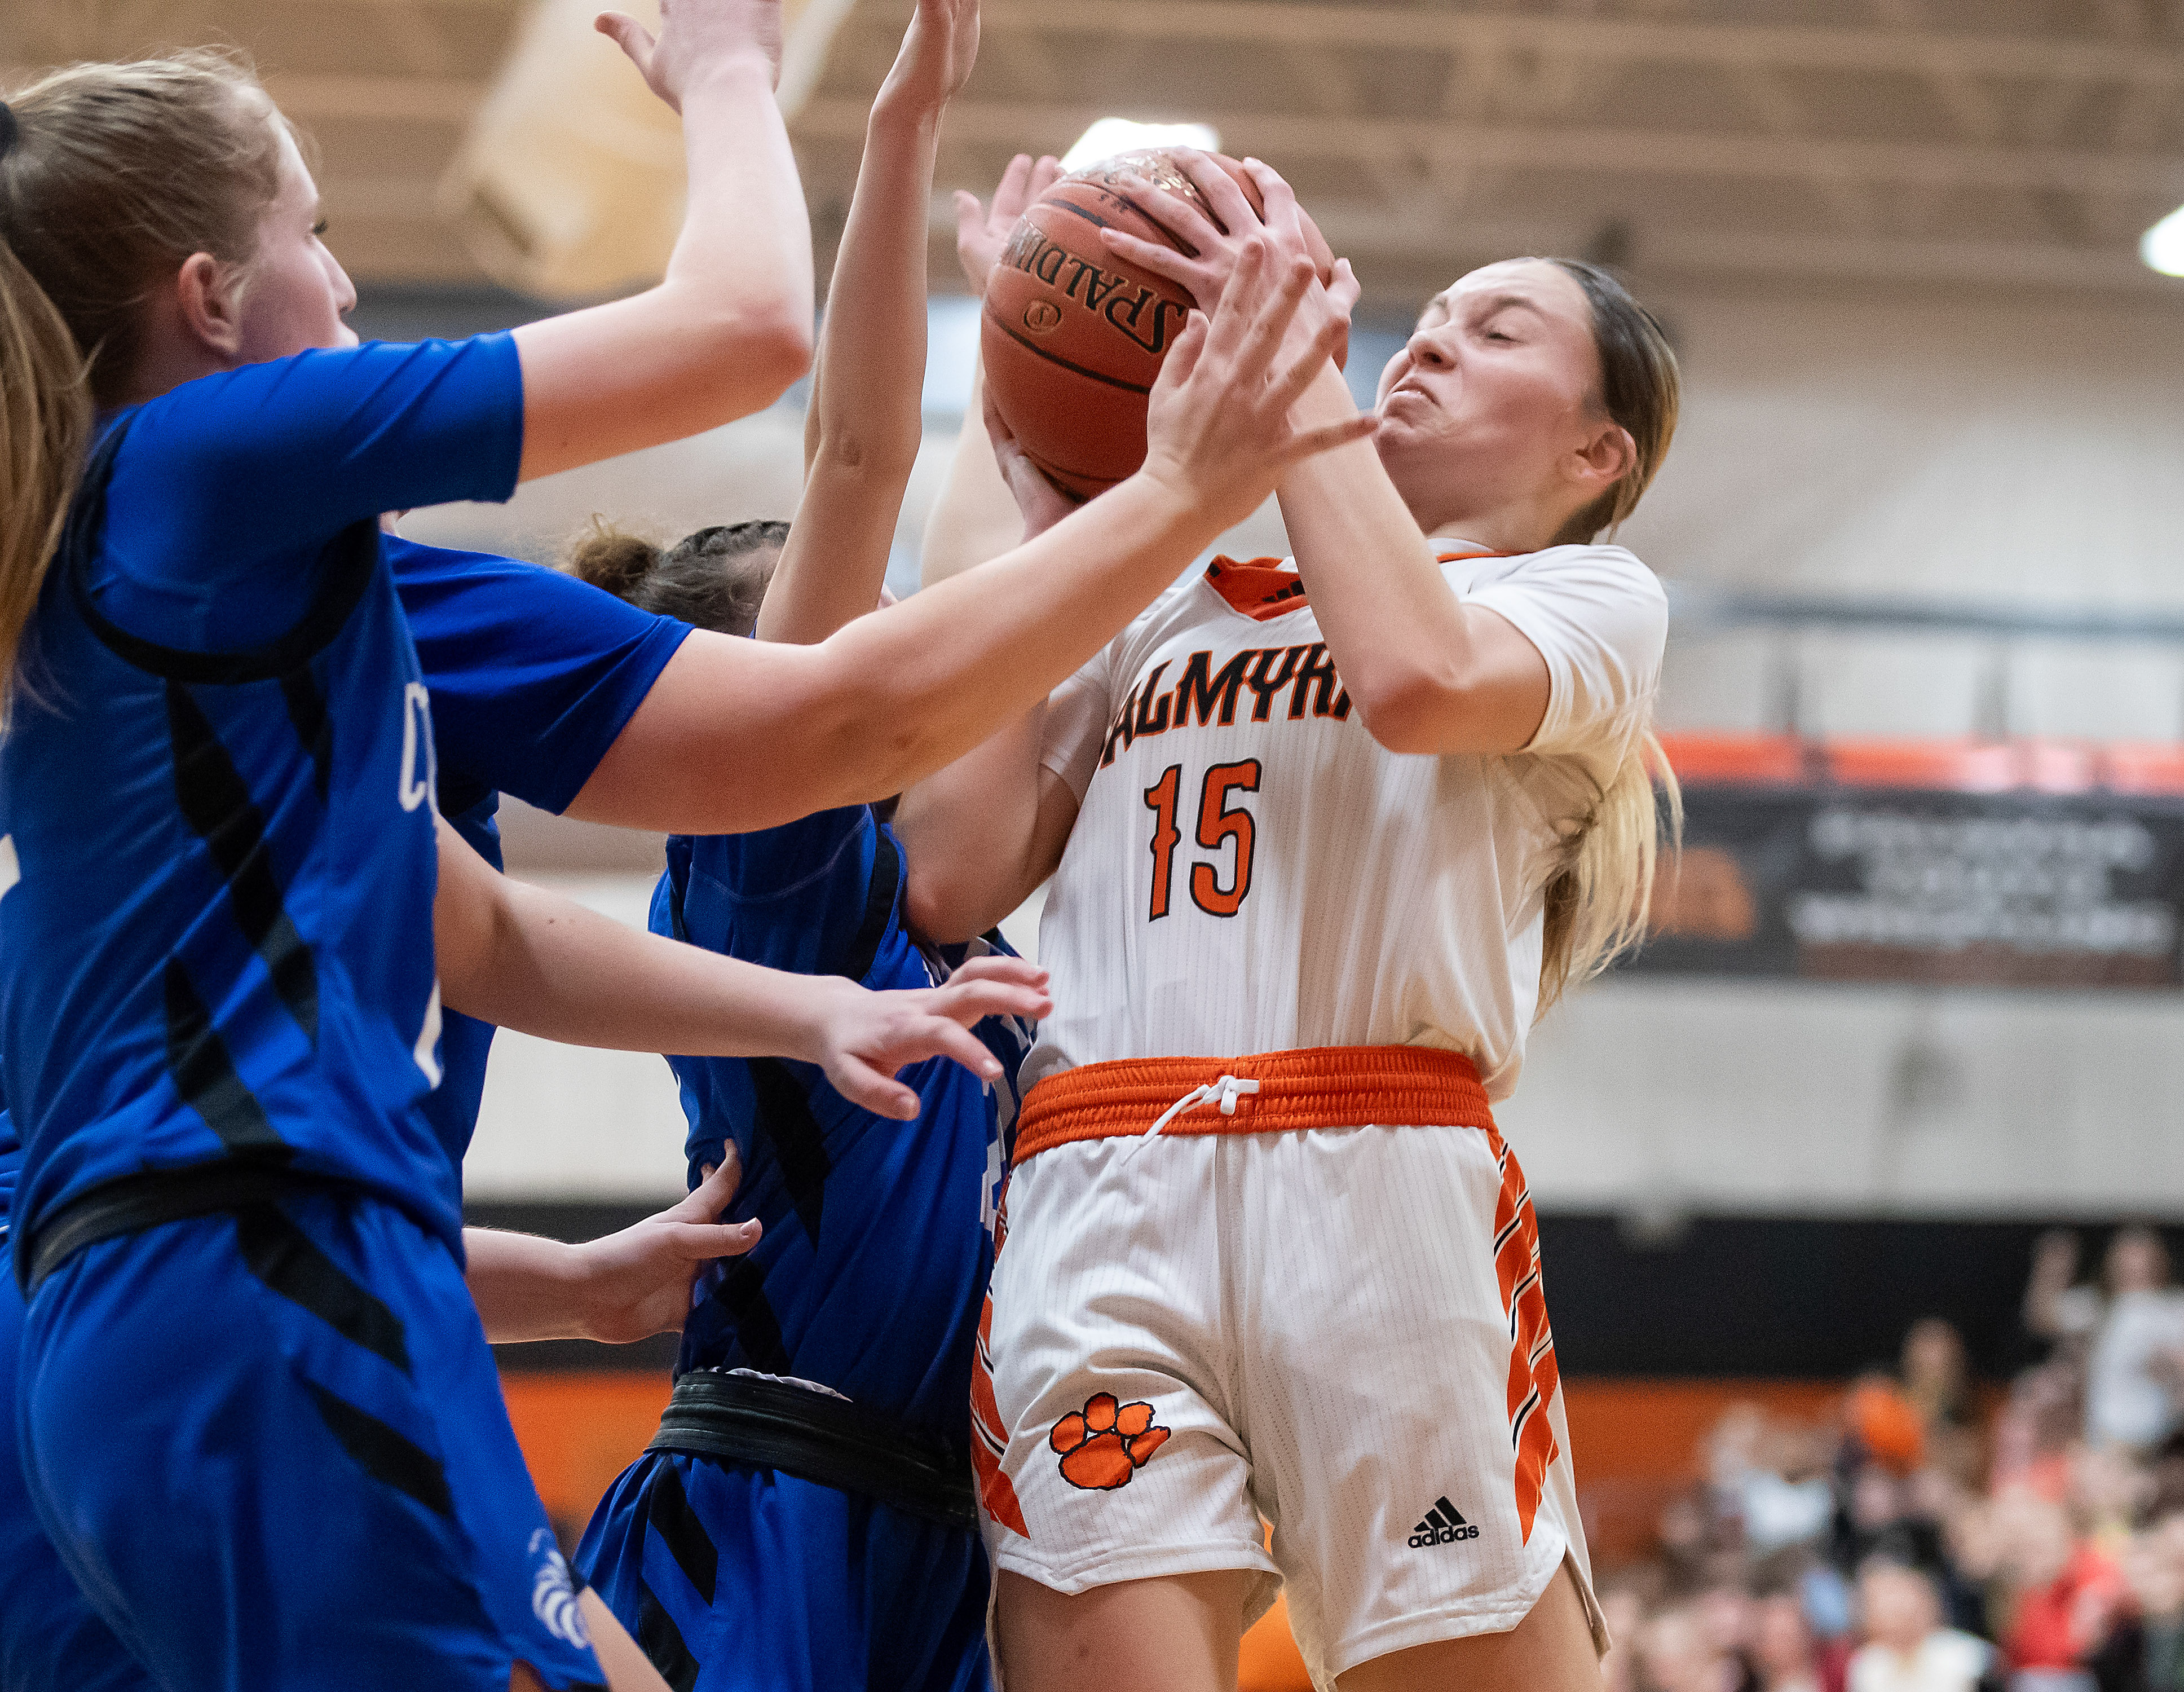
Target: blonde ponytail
{"points": [[1601, 891], [45, 427]]}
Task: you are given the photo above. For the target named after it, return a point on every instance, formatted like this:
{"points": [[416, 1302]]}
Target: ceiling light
{"points": [[1111, 136], [2162, 247]]}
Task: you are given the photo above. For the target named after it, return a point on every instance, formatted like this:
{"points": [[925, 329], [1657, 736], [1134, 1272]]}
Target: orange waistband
{"points": [[1318, 1086]]}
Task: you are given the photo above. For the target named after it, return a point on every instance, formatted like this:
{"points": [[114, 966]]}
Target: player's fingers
{"points": [[1270, 322], [1180, 217], [1343, 291], [1011, 197], [861, 1084], [1194, 274], [969, 220], [998, 966], [701, 1242], [1242, 301], [1230, 210], [630, 36], [1283, 212], [711, 1196], [940, 1037], [1332, 335], [997, 427], [1311, 443], [1183, 354], [1044, 175], [975, 1001]]}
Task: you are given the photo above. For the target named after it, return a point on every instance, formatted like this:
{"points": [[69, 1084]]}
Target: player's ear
{"points": [[208, 296], [1606, 455]]}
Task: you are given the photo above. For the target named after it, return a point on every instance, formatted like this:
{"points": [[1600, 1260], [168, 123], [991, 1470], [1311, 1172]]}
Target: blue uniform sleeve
{"points": [[533, 673], [227, 490], [815, 897]]}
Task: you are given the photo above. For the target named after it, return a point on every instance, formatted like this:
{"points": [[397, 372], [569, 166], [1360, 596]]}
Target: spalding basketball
{"points": [[1074, 336]]}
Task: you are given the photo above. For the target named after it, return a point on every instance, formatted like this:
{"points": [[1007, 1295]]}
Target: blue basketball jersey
{"points": [[533, 675], [219, 865], [878, 1237]]}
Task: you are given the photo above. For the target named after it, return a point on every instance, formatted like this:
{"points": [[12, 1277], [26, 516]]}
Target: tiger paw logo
{"points": [[1104, 1443]]}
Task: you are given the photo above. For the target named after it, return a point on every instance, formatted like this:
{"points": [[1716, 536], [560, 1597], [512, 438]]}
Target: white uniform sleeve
{"points": [[1077, 713], [1600, 618]]}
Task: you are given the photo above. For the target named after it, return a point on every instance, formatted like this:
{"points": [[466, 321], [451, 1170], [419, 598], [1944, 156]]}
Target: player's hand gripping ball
{"points": [[1104, 1443], [1074, 336]]}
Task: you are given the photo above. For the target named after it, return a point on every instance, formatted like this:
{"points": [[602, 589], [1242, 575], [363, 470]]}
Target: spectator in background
{"points": [[1907, 1649], [2154, 1569], [1935, 1381], [2131, 1331], [1678, 1652], [1624, 1612], [1784, 1655], [2061, 1593]]}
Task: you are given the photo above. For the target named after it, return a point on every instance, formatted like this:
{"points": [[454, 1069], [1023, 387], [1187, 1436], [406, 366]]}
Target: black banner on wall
{"points": [[1889, 884]]}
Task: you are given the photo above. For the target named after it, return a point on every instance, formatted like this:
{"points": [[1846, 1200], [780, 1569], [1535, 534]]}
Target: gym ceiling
{"points": [[2012, 144]]}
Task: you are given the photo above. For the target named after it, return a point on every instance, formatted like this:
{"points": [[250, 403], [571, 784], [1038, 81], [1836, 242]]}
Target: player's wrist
{"points": [[733, 77]]}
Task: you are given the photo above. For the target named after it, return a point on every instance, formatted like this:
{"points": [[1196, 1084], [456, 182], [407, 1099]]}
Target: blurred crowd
{"points": [[1928, 1536]]}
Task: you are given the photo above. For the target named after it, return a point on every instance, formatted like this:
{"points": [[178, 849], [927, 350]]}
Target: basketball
{"points": [[1073, 336]]}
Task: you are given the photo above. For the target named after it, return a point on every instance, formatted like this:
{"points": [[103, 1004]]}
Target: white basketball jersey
{"points": [[1250, 871]]}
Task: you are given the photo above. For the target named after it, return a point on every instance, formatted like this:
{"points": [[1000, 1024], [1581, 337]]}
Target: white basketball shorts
{"points": [[1268, 1309]]}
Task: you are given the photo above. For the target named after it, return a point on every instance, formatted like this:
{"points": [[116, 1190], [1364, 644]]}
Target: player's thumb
{"points": [[630, 36], [702, 1241]]}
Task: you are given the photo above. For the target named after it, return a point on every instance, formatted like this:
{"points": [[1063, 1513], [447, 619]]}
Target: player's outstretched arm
{"points": [[620, 1288], [861, 432], [531, 960], [729, 327], [735, 736], [979, 836], [974, 518]]}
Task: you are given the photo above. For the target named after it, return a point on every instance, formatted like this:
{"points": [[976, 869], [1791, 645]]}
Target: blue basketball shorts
{"points": [[48, 1635], [270, 1448], [732, 1578]]}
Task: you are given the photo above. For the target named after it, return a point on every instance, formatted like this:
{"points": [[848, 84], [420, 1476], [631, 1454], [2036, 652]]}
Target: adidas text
{"points": [[1444, 1525]]}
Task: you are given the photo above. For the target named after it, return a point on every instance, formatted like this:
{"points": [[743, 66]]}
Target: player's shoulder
{"points": [[1599, 561]]}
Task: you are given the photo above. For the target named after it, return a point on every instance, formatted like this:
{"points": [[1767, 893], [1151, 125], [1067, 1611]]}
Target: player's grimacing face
{"points": [[298, 294], [1496, 384]]}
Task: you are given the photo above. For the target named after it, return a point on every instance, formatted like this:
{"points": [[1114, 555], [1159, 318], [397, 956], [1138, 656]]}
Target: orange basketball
{"points": [[1073, 336]]}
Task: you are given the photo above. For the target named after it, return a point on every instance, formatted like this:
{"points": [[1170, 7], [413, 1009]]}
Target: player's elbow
{"points": [[775, 345], [745, 358], [934, 905], [1402, 709]]}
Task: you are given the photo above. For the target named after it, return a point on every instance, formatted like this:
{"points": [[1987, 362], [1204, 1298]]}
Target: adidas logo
{"points": [[1444, 1525]]}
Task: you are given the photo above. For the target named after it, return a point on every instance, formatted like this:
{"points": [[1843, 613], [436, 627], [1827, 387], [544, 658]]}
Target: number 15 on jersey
{"points": [[1224, 821]]}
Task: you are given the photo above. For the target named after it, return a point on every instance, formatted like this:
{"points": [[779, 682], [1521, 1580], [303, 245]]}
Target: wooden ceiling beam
{"points": [[1594, 151], [1923, 52]]}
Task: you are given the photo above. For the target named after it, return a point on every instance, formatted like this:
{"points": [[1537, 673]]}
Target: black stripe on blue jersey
{"points": [[216, 801], [662, 1642], [315, 725], [880, 896], [203, 1072], [785, 1118], [284, 1256], [388, 1456], [347, 563], [667, 1508], [741, 1292]]}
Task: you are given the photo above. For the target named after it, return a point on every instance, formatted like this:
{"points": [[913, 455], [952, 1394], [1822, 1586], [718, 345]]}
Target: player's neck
{"points": [[1512, 525]]}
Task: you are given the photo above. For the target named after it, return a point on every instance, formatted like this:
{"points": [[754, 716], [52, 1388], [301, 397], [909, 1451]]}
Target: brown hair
{"points": [[1599, 883], [1640, 389], [715, 579], [111, 176]]}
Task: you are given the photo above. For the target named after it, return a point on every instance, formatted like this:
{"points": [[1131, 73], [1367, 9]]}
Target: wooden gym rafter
{"points": [[2012, 142]]}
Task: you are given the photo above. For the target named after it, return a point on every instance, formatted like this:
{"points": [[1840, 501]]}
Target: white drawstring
{"points": [[1228, 1089]]}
